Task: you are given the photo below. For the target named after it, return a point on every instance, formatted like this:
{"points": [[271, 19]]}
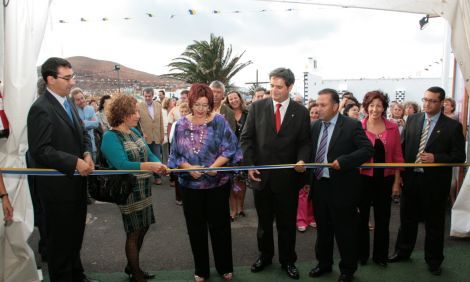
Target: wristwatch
{"points": [[3, 195]]}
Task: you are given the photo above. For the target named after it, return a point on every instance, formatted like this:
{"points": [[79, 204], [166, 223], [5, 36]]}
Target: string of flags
{"points": [[190, 12]]}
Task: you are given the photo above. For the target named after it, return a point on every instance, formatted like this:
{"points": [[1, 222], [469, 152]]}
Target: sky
{"points": [[347, 43]]}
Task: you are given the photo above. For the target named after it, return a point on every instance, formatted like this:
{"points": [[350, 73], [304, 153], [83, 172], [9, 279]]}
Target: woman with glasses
{"points": [[204, 139]]}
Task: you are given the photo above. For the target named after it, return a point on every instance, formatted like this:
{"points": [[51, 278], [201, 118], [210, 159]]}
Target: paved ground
{"points": [[166, 247]]}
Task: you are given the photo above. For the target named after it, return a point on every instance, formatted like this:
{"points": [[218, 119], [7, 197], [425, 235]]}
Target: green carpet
{"points": [[456, 268]]}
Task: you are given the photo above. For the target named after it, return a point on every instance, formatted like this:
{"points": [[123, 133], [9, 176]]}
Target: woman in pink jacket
{"points": [[378, 182]]}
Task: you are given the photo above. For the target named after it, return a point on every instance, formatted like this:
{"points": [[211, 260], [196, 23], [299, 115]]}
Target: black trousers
{"points": [[65, 226], [335, 219], [208, 209], [376, 192], [281, 206], [422, 200]]}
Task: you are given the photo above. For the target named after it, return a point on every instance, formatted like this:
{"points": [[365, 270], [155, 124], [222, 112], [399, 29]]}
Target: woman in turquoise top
{"points": [[205, 139], [125, 149]]}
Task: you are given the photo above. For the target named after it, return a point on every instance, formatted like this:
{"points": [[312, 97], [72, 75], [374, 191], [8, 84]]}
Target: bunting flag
{"points": [[191, 12]]}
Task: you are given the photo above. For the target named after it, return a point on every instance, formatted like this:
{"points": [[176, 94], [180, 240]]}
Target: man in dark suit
{"points": [[335, 191], [276, 132], [57, 140], [428, 137]]}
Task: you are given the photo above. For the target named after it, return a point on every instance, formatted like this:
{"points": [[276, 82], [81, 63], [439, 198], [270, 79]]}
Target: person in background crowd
{"points": [[218, 88], [377, 183], [6, 205], [341, 141], [87, 115], [101, 115], [397, 114], [351, 110], [449, 108], [125, 149], [428, 137], [276, 132], [259, 94], [151, 123], [58, 140], [346, 99], [305, 216], [410, 108], [298, 99], [93, 104], [237, 195], [267, 94], [161, 96], [205, 139]]}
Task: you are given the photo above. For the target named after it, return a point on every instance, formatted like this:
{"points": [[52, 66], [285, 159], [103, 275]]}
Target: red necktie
{"points": [[278, 117]]}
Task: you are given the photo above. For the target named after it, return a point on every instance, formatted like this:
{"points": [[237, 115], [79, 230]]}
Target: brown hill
{"points": [[99, 75]]}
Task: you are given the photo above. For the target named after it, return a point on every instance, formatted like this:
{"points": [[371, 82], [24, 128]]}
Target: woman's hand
{"points": [[158, 167], [196, 174], [211, 172], [7, 209]]}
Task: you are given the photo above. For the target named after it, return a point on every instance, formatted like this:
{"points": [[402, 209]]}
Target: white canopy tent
{"points": [[22, 25]]}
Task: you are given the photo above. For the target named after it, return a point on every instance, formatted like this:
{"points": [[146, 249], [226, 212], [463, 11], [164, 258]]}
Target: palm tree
{"points": [[204, 62]]}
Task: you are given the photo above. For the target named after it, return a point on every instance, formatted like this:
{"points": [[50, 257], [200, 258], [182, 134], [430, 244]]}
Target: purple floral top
{"points": [[217, 139]]}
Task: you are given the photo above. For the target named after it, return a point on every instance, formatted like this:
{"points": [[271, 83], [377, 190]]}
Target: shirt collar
{"points": [[434, 118], [57, 96], [284, 104]]}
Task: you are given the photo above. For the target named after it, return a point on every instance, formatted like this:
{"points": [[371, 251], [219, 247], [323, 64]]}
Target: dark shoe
{"points": [[397, 257], [435, 270], [146, 275], [260, 264], [380, 262], [345, 278], [291, 270], [318, 271]]}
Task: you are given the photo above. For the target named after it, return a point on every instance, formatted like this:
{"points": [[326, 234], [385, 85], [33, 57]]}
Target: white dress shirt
{"points": [[282, 109]]}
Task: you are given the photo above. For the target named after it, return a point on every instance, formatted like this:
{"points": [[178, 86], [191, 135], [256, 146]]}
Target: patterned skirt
{"points": [[137, 213]]}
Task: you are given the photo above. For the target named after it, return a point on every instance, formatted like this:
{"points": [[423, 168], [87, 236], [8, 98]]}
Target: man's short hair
{"points": [[161, 90], [184, 92], [333, 94], [286, 74], [148, 90], [75, 92], [439, 90], [50, 66], [260, 89], [217, 85]]}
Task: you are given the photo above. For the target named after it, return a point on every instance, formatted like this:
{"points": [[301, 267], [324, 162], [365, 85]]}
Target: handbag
{"points": [[112, 188]]}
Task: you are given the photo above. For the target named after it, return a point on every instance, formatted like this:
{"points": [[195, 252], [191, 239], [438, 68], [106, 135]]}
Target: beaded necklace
{"points": [[201, 136]]}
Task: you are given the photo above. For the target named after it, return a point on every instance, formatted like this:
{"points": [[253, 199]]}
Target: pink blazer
{"points": [[392, 143]]}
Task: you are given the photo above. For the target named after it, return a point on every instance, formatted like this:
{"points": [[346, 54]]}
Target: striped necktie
{"points": [[321, 152], [422, 142]]}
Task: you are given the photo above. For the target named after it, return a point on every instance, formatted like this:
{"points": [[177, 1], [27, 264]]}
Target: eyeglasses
{"points": [[68, 77], [431, 101], [199, 106]]}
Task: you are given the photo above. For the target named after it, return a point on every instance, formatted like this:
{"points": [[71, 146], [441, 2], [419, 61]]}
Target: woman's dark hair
{"points": [[242, 101], [371, 96], [102, 100], [349, 107]]}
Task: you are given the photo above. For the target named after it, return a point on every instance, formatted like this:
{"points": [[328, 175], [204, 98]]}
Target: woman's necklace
{"points": [[201, 136]]}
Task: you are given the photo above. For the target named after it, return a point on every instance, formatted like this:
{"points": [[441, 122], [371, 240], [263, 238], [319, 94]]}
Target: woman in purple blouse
{"points": [[205, 139]]}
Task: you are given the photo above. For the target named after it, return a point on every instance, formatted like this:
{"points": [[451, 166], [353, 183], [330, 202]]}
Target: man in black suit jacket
{"points": [[426, 190], [57, 140], [341, 141], [276, 132]]}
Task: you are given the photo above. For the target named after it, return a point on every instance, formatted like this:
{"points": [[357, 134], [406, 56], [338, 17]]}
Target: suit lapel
{"points": [[336, 132], [270, 114], [436, 130]]}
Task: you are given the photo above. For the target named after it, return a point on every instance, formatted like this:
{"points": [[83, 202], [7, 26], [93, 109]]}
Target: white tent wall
{"points": [[24, 25]]}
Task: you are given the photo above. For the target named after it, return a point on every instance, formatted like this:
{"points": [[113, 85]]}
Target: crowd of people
{"points": [[209, 127]]}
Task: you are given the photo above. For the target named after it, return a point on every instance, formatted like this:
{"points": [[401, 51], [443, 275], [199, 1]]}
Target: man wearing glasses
{"points": [[57, 140], [428, 137]]}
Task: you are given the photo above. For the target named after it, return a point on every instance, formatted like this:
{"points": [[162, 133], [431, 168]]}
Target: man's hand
{"points": [[254, 175], [427, 157], [89, 160], [300, 166], [83, 167], [335, 165]]}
